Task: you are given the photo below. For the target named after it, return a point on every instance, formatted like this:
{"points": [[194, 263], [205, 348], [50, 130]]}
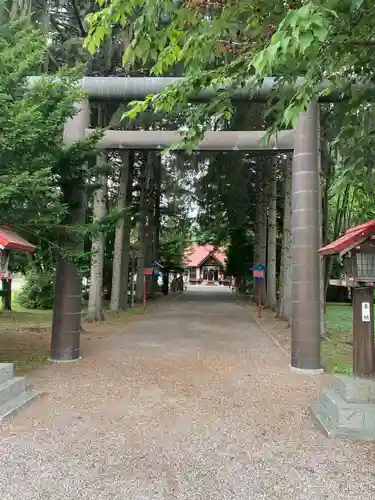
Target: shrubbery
{"points": [[38, 291]]}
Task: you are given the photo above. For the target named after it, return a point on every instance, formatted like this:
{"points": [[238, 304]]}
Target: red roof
{"points": [[350, 238], [11, 241], [197, 254]]}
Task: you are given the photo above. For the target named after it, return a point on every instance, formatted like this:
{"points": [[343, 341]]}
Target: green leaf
{"points": [[356, 4], [305, 40], [320, 32]]}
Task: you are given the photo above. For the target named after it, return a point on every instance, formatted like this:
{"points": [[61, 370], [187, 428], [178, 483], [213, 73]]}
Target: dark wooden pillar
{"points": [[66, 325], [363, 332], [305, 268], [7, 294]]}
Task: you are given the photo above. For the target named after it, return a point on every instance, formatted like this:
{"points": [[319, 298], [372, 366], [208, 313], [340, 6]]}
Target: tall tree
{"points": [[142, 227], [95, 306], [33, 118], [285, 267], [122, 235], [272, 237]]}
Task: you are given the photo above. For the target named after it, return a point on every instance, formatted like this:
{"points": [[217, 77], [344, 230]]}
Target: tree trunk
{"points": [[158, 173], [338, 227], [258, 186], [285, 282], [118, 250], [327, 176], [156, 243], [132, 279], [95, 307], [271, 240], [258, 194], [124, 296], [151, 222], [142, 231], [280, 305], [263, 223]]}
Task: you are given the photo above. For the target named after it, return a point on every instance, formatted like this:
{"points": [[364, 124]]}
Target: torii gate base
{"points": [[347, 409], [305, 272]]}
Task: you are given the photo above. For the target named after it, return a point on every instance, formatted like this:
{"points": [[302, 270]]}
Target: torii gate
{"points": [[304, 141]]}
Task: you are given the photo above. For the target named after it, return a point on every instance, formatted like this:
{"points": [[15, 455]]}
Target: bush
{"points": [[38, 291]]}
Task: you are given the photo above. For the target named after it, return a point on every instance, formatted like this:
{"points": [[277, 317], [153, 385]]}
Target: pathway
{"points": [[193, 401]]}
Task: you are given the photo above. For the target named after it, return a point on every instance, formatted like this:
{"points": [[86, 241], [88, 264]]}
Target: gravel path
{"points": [[193, 401]]}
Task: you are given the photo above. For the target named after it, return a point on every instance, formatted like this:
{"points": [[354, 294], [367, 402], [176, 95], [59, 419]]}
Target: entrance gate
{"points": [[305, 268]]}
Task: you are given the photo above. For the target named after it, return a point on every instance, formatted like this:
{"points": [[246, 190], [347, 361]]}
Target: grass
{"points": [[337, 351], [25, 334]]}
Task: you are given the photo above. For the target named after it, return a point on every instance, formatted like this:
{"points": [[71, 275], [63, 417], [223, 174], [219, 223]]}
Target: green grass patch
{"points": [[24, 337], [337, 351], [25, 333]]}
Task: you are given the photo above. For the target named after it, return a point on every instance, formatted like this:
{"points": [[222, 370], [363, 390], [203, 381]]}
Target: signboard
{"points": [[366, 312], [259, 272]]}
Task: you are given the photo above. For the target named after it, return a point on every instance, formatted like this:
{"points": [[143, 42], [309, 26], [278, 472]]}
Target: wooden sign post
{"points": [[259, 273], [363, 332]]}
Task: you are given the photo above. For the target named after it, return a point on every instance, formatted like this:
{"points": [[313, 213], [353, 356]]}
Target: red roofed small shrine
{"points": [[350, 239], [206, 264], [9, 240]]}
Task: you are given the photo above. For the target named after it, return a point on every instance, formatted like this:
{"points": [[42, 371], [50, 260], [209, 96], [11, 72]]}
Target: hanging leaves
{"points": [[222, 44]]}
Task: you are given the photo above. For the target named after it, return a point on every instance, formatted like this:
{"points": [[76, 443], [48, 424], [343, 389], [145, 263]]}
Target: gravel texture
{"points": [[191, 401]]}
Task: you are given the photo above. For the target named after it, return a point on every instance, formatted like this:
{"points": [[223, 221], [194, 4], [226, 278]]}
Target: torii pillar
{"points": [[66, 325], [305, 268]]}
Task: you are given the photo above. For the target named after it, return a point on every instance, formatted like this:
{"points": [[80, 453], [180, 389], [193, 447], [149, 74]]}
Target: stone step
{"points": [[11, 388], [344, 419], [6, 372], [353, 389], [324, 419], [342, 411], [10, 408]]}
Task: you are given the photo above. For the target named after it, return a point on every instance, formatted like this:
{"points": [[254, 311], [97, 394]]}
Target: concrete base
{"points": [[347, 410], [301, 371], [50, 360]]}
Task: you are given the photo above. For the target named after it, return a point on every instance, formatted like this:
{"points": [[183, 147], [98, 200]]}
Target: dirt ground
{"points": [[278, 328]]}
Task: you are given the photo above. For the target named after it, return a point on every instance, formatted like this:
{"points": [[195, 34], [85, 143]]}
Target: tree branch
{"points": [[79, 20]]}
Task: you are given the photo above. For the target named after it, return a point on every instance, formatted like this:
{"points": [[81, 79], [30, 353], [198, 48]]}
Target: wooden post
{"points": [[132, 284], [260, 300], [144, 293], [363, 332], [7, 294], [165, 287]]}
